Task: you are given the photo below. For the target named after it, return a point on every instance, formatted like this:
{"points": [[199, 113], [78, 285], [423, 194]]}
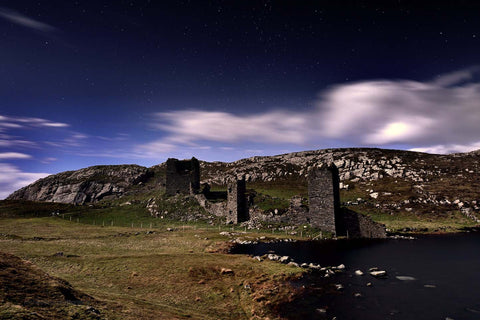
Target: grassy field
{"points": [[138, 273]]}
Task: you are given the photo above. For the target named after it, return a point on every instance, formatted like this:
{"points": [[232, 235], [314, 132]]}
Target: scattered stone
{"points": [[430, 286], [357, 295], [226, 271], [369, 284], [339, 287], [341, 267], [293, 264], [284, 259], [169, 229], [358, 273], [405, 278], [314, 266], [322, 310], [379, 273], [273, 257]]}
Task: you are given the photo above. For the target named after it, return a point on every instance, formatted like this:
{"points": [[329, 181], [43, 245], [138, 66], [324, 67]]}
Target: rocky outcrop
{"points": [[384, 181], [86, 185], [388, 181]]}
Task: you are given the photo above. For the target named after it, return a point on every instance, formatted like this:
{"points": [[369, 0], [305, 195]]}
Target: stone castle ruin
{"points": [[183, 176], [323, 211], [324, 198]]}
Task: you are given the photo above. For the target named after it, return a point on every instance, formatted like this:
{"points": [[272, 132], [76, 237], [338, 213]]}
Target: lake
{"points": [[438, 277]]}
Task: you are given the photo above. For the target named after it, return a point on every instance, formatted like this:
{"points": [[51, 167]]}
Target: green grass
{"points": [[160, 275]]}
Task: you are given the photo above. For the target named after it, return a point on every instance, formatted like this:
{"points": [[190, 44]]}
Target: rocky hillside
{"points": [[374, 180], [86, 185], [386, 181]]}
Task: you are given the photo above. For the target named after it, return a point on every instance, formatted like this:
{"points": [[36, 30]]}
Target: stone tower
{"points": [[237, 206], [183, 176], [324, 198]]}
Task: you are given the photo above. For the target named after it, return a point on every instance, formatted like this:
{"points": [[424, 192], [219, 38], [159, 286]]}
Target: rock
{"points": [[405, 278], [357, 295], [226, 271], [341, 267], [284, 259], [85, 185], [374, 195], [339, 287], [369, 284], [379, 273], [273, 257], [358, 273], [293, 264]]}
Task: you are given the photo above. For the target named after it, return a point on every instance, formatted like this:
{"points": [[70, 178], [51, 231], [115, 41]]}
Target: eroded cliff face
{"points": [[86, 185]]}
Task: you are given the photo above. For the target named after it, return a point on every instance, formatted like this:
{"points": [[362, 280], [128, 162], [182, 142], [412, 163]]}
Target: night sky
{"points": [[111, 82]]}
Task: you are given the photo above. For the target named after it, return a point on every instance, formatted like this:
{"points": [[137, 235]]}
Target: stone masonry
{"points": [[182, 176], [324, 212], [324, 198], [237, 206]]}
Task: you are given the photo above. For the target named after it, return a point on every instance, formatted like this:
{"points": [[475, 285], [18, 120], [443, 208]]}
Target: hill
{"points": [[389, 185]]}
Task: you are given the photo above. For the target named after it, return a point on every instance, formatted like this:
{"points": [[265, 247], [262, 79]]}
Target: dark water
{"points": [[446, 269]]}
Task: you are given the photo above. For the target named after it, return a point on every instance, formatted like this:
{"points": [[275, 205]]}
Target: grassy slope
{"points": [[160, 275]]}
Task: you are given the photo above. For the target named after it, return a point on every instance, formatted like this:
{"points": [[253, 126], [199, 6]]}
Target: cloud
{"points": [[449, 148], [420, 114], [440, 115], [24, 21], [11, 179], [21, 122], [271, 127], [14, 155]]}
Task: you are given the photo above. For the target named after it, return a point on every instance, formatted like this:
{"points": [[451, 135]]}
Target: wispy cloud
{"points": [[14, 155], [437, 115], [271, 127], [12, 178], [24, 21], [20, 122]]}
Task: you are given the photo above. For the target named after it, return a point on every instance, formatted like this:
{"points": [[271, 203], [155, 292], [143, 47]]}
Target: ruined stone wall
{"points": [[324, 198], [182, 176], [237, 206], [357, 225]]}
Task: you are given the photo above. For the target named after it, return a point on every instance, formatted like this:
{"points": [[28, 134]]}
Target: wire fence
{"points": [[185, 226]]}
